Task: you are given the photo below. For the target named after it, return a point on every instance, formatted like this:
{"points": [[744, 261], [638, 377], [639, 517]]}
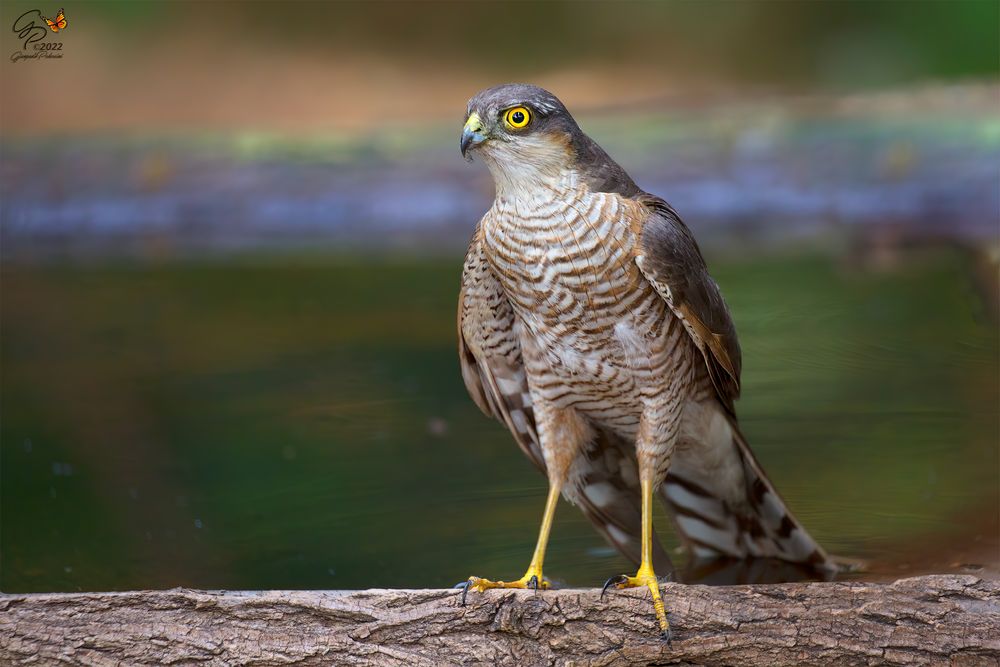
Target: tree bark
{"points": [[934, 620]]}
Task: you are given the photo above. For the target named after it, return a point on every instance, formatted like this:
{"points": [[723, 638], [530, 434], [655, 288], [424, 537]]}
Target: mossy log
{"points": [[933, 620]]}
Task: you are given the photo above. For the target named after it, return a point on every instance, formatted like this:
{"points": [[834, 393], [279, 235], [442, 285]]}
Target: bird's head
{"points": [[525, 134], [521, 131]]}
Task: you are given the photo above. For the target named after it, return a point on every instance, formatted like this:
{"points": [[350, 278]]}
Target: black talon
{"points": [[617, 579], [465, 589], [533, 582], [668, 636]]}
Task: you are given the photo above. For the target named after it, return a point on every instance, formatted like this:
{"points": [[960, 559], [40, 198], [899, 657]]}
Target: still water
{"points": [[301, 423]]}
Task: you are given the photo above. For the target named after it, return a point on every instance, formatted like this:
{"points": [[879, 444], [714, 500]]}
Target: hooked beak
{"points": [[472, 134]]}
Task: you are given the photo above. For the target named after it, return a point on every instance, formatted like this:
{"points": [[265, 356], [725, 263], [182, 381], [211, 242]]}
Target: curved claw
{"points": [[533, 582], [465, 589], [667, 636], [613, 581]]}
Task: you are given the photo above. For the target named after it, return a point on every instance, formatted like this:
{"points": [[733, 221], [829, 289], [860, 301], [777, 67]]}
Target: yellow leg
{"points": [[533, 577], [645, 576]]}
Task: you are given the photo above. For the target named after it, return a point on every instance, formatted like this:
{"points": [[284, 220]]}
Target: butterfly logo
{"points": [[59, 23]]}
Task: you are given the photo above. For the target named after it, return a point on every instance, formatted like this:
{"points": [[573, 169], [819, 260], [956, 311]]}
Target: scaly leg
{"points": [[645, 576], [533, 577]]}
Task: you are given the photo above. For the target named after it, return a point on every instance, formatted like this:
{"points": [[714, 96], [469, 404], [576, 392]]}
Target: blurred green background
{"points": [[231, 237]]}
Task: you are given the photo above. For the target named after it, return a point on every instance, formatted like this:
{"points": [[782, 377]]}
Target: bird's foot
{"points": [[644, 577], [532, 579]]}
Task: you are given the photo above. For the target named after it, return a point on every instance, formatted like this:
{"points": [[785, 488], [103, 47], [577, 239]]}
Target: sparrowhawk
{"points": [[589, 325]]}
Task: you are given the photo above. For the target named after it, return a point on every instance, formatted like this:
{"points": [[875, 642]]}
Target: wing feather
{"points": [[670, 260], [489, 351]]}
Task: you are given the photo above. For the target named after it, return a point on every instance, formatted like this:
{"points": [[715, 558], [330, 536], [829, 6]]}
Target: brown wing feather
{"points": [[490, 353], [670, 260]]}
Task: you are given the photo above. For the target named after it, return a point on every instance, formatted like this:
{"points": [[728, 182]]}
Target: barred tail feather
{"points": [[604, 484], [721, 501]]}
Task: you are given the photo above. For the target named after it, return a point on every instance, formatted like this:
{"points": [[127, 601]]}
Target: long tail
{"points": [[723, 504]]}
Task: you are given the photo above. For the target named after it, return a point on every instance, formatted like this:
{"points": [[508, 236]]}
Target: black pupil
{"points": [[517, 117]]}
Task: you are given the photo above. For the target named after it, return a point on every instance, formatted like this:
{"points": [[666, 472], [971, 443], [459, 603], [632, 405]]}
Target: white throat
{"points": [[524, 169]]}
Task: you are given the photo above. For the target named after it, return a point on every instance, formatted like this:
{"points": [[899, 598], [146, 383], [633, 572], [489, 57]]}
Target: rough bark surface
{"points": [[933, 620]]}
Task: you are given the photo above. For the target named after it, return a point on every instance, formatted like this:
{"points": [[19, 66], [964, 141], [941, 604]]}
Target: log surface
{"points": [[933, 620]]}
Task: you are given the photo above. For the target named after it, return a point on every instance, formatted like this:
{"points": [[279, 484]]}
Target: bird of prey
{"points": [[589, 325]]}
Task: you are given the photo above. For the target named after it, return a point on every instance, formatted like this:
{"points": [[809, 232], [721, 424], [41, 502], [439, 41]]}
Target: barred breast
{"points": [[596, 335]]}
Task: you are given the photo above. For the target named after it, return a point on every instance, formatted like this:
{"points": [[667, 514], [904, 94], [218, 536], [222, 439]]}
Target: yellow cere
{"points": [[473, 124], [517, 117]]}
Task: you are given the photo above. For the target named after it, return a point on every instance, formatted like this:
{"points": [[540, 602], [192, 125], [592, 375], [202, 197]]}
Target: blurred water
{"points": [[301, 423], [765, 171]]}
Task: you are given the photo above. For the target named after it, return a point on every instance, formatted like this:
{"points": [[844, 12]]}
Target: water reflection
{"points": [[301, 423], [728, 571]]}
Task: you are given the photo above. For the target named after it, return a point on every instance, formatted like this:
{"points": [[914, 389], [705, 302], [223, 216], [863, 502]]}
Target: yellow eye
{"points": [[517, 117]]}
